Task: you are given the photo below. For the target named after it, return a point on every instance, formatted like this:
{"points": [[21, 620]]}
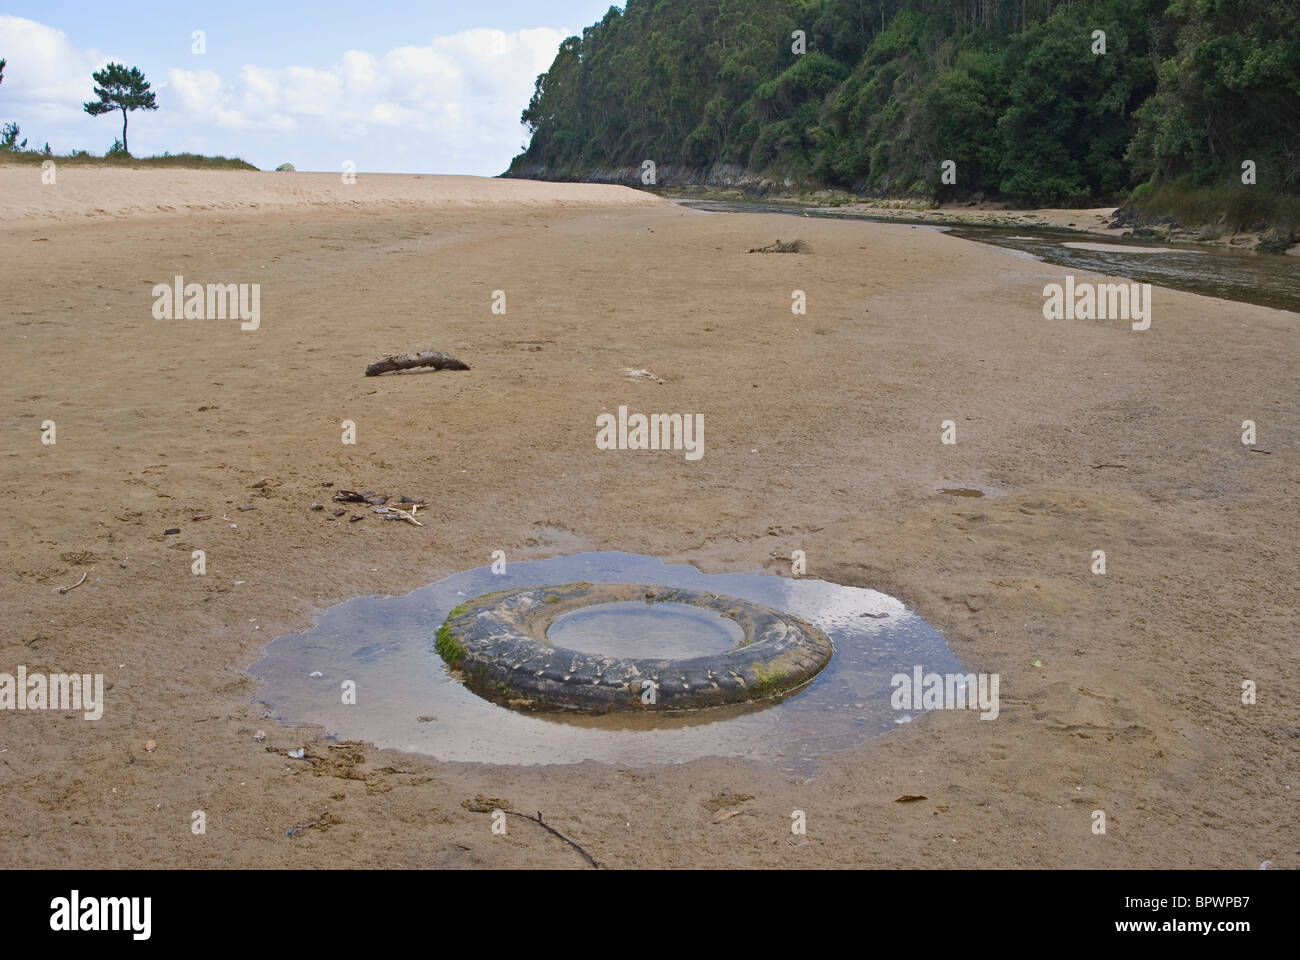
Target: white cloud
{"points": [[44, 71], [454, 102], [464, 87]]}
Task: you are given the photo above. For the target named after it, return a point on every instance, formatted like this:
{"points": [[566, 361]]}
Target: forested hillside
{"points": [[1012, 91]]}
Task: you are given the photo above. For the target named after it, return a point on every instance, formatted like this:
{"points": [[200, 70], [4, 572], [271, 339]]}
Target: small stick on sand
{"points": [[428, 358], [487, 807], [75, 585], [573, 843]]}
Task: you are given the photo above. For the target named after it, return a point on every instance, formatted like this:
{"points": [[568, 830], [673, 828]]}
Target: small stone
{"points": [[318, 506], [247, 506], [339, 513], [354, 518], [171, 530], [149, 746], [259, 736]]}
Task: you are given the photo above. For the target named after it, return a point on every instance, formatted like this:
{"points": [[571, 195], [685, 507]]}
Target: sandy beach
{"points": [[1120, 692]]}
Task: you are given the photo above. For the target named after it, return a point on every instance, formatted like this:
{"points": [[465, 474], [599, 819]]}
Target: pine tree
{"points": [[121, 89]]}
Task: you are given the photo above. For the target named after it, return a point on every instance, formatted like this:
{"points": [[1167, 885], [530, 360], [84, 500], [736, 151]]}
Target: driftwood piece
{"points": [[427, 358], [788, 246]]}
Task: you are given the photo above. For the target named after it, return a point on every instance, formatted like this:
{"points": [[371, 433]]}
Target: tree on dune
{"points": [[121, 89]]}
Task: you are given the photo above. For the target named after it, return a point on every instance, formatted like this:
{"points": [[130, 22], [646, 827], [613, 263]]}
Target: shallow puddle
{"points": [[406, 699], [640, 629]]}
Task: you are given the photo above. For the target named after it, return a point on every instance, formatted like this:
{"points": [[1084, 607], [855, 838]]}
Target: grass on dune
{"points": [[80, 158]]}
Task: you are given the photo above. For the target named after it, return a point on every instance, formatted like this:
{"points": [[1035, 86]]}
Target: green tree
{"points": [[121, 89], [9, 132], [1229, 91]]}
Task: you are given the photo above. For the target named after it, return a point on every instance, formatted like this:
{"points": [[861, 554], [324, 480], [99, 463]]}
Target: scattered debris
{"points": [[75, 585], [910, 797], [791, 246], [201, 516], [316, 673], [632, 374], [298, 754], [427, 358], [259, 736], [409, 517], [378, 502]]}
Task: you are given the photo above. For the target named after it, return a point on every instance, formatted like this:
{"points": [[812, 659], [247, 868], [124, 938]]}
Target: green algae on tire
{"points": [[499, 644]]}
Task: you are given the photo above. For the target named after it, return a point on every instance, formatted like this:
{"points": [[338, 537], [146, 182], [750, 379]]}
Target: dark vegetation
{"points": [[1011, 91], [119, 159]]}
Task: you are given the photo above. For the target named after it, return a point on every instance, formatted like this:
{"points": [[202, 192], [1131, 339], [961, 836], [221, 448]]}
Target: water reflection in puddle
{"points": [[639, 629], [406, 700]]}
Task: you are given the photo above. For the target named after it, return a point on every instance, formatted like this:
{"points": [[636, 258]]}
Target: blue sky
{"points": [[433, 87]]}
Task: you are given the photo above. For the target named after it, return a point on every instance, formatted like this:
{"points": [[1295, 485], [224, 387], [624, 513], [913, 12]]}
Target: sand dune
{"points": [[81, 192]]}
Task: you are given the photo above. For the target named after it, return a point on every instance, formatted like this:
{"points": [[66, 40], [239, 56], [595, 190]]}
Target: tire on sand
{"points": [[498, 642]]}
